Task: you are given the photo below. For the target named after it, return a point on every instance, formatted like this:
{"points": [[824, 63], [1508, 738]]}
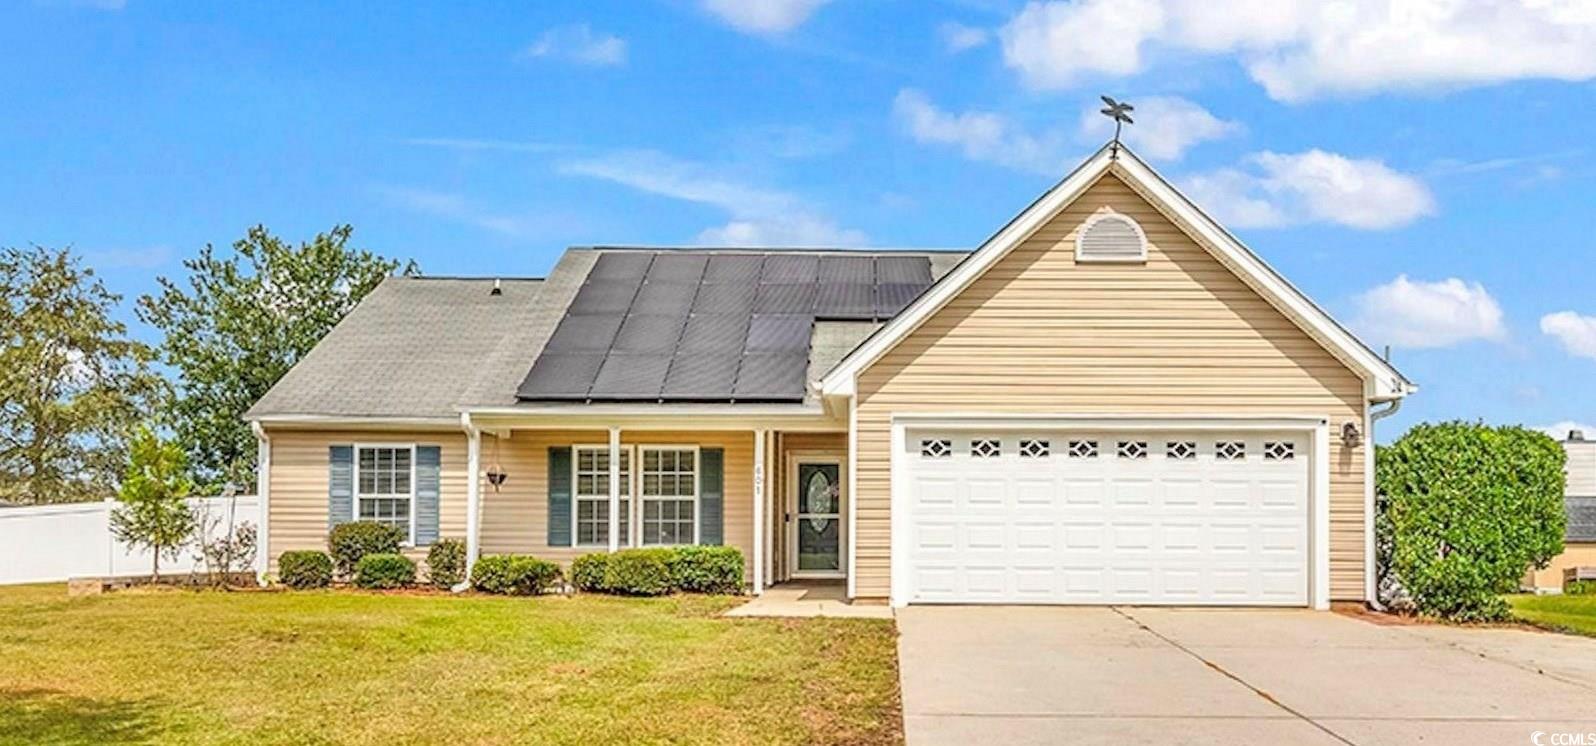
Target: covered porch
{"points": [[560, 485]]}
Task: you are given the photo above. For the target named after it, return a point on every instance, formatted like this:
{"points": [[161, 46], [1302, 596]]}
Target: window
{"points": [[1132, 449], [1083, 449], [936, 448], [592, 504], [1279, 451], [1180, 450], [385, 486], [670, 495], [1034, 448], [1230, 450], [986, 448]]}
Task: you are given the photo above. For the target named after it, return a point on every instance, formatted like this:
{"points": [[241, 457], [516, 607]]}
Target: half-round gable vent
{"points": [[1111, 237]]}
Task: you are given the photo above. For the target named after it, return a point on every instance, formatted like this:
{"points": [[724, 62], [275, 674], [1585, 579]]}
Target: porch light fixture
{"points": [[496, 474], [1350, 437]]}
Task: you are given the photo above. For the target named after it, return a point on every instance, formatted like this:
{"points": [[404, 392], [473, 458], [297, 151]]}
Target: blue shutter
{"points": [[559, 497], [711, 496], [428, 459], [340, 485]]}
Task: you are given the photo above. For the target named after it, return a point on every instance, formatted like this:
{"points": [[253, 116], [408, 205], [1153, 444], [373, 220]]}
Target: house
{"points": [[1111, 400], [1579, 501]]}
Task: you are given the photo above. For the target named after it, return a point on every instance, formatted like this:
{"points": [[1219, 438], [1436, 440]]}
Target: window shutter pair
{"points": [[711, 496], [341, 489]]}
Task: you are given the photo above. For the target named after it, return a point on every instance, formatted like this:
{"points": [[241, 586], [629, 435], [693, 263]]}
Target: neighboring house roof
{"points": [[725, 325], [415, 347], [1581, 518], [1386, 382]]}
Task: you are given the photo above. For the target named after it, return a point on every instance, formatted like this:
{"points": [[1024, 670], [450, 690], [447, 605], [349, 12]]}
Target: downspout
{"points": [[473, 498], [1375, 415], [263, 491]]}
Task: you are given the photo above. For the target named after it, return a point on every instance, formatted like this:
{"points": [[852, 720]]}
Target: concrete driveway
{"points": [[1033, 675]]}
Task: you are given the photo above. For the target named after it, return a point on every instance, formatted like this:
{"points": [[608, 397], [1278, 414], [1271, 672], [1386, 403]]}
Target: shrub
{"points": [[638, 572], [587, 571], [446, 563], [1580, 588], [384, 570], [305, 569], [699, 569], [1468, 510], [514, 575], [349, 542]]}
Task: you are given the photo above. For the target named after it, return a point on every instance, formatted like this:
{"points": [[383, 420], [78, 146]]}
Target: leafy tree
{"points": [[240, 322], [154, 513], [72, 384], [1466, 509]]}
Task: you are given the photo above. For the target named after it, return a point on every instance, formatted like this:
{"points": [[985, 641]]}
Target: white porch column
{"points": [[615, 489], [263, 494], [759, 512], [473, 497]]}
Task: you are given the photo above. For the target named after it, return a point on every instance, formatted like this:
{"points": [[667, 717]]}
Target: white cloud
{"points": [[1166, 126], [980, 135], [1303, 49], [148, 257], [1277, 189], [763, 16], [578, 43], [1419, 314], [759, 216], [1576, 333], [957, 37], [1560, 430], [456, 207]]}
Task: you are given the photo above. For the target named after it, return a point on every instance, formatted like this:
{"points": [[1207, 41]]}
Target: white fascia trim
{"points": [[1388, 382], [318, 421]]}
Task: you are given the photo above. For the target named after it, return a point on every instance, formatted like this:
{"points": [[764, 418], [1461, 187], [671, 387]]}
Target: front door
{"points": [[817, 545]]}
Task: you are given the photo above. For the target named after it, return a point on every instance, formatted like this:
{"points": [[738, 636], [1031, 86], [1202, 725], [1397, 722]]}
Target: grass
{"points": [[1576, 614], [364, 668]]}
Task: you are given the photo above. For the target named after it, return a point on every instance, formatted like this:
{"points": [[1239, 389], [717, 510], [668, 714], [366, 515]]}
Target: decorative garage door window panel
{"points": [[1125, 517]]}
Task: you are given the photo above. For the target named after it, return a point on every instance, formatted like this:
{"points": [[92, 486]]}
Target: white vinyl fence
{"points": [[54, 542]]}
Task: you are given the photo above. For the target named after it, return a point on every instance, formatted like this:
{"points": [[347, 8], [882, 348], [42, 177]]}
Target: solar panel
{"points": [[584, 333], [771, 377], [664, 298], [677, 267], [787, 333], [725, 299], [733, 268], [560, 376], [649, 333], [781, 267], [785, 298], [604, 296], [903, 269], [701, 376], [845, 301], [630, 376], [890, 299], [715, 333], [621, 265], [847, 269]]}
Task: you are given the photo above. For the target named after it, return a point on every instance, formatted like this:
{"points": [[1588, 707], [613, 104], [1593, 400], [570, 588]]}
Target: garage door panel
{"points": [[1176, 519]]}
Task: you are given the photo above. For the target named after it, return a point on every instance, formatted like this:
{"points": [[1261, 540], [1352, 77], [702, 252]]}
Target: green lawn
{"points": [[1569, 613], [346, 667]]}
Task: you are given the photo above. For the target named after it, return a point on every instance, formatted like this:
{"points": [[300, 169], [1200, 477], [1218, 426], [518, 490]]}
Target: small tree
{"points": [[154, 514], [1467, 509]]}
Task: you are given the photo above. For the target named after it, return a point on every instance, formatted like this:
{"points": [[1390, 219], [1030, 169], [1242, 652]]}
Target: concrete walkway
{"points": [[801, 599], [1039, 675]]}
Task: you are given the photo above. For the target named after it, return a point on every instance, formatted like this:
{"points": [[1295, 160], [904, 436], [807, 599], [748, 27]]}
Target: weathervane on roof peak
{"points": [[1120, 113]]}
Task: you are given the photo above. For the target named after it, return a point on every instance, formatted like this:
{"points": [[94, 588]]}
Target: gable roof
{"points": [[1383, 382]]}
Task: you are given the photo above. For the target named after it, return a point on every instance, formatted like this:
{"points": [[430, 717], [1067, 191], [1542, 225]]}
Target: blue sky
{"points": [[1422, 168]]}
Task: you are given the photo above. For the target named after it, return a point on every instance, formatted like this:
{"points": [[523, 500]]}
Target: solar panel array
{"points": [[711, 326]]}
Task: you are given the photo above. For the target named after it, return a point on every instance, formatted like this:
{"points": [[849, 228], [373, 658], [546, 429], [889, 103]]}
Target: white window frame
{"points": [[629, 531], [410, 539], [698, 467]]}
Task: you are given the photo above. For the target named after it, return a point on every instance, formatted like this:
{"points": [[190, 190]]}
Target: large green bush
{"points": [[446, 563], [639, 572], [1466, 510], [348, 542], [587, 571], [385, 571], [514, 575], [305, 569], [1580, 587], [700, 569]]}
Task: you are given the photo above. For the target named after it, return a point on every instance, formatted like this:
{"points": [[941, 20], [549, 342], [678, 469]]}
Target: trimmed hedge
{"points": [[304, 569], [348, 542], [587, 571], [514, 575], [660, 570], [1465, 510], [383, 571], [446, 563]]}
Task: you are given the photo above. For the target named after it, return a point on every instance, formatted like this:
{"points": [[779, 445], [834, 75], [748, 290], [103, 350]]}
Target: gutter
{"points": [[1375, 415]]}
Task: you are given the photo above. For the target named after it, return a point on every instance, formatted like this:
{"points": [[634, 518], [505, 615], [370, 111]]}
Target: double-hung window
{"points": [[385, 482], [592, 465], [670, 495]]}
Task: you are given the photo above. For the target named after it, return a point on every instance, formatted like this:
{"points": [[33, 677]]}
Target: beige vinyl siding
{"points": [[298, 498], [1581, 467], [1575, 554], [515, 519], [1179, 334]]}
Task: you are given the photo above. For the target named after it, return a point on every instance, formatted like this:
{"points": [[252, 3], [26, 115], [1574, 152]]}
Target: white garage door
{"points": [[1109, 518]]}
